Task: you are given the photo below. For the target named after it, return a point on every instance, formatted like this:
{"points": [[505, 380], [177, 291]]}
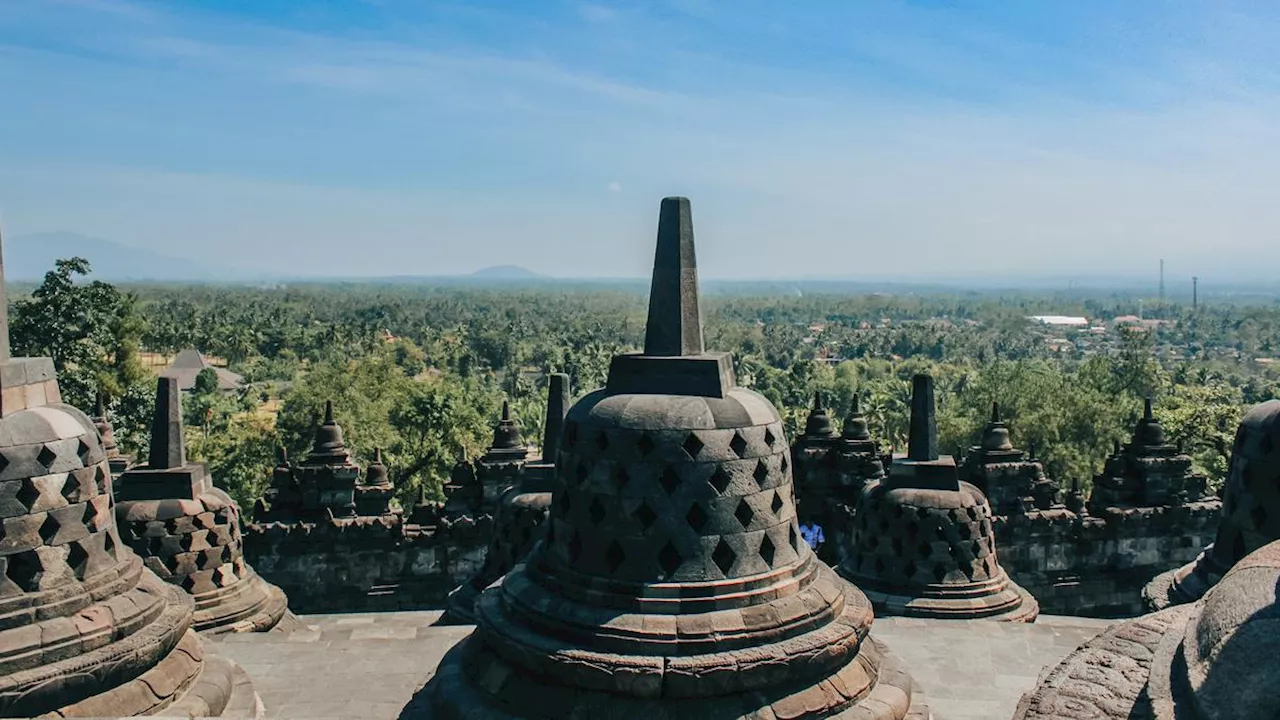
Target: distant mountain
{"points": [[29, 257], [507, 272]]}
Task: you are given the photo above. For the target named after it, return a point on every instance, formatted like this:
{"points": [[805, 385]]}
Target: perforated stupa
{"points": [[923, 544], [672, 581]]}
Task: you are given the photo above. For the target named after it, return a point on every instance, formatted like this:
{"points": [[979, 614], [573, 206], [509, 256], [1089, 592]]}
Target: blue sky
{"points": [[840, 138]]}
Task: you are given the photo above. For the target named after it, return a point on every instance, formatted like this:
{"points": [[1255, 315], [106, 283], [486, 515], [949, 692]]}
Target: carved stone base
{"points": [[1001, 600], [518, 526], [132, 654], [196, 545]]}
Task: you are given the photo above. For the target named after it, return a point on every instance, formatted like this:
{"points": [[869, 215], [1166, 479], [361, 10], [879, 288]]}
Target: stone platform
{"points": [[369, 665]]}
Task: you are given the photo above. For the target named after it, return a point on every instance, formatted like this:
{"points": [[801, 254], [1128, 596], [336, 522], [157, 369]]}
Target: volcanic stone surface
{"points": [[188, 531], [923, 544], [1148, 471], [1250, 511], [522, 511], [85, 628], [1211, 660], [672, 581]]}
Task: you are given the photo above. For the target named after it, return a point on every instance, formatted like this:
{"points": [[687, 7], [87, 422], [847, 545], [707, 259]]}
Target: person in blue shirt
{"points": [[812, 534]]}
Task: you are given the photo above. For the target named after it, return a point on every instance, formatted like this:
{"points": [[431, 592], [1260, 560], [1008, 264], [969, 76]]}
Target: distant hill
{"points": [[29, 257], [507, 272]]}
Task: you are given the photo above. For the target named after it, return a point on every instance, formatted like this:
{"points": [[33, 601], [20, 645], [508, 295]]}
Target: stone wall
{"points": [[1097, 566], [367, 564]]}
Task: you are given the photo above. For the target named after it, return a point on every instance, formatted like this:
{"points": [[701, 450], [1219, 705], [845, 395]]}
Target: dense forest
{"points": [[420, 370]]}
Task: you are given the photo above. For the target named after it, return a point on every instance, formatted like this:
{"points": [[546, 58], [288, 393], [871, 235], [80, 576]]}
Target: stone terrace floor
{"points": [[368, 665]]}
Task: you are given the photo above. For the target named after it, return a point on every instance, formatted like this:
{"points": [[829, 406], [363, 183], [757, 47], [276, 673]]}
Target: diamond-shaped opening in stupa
{"points": [[724, 556], [693, 445]]}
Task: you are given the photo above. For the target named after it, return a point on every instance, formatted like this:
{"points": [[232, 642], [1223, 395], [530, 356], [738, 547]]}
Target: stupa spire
{"points": [[557, 406], [675, 319], [922, 441], [168, 448]]}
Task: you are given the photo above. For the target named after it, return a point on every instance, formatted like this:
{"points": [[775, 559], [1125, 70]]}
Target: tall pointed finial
{"points": [[675, 320], [506, 410], [922, 441], [168, 448], [557, 408], [1146, 409], [817, 401], [100, 406], [4, 310], [995, 412], [328, 412], [856, 408]]}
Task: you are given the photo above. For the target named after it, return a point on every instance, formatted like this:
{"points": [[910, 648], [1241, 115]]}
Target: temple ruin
{"points": [[672, 581], [86, 630], [187, 531], [1250, 511], [923, 541]]}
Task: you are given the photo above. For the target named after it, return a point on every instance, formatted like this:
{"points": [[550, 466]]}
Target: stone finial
{"points": [[506, 435], [674, 361], [995, 436], [675, 319], [557, 408], [855, 425], [819, 423], [168, 447], [1149, 433], [922, 441], [329, 441], [376, 472]]}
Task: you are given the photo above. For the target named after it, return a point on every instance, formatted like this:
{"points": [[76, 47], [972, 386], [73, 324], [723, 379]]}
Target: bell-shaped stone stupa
{"points": [[672, 582], [1013, 481], [1250, 511], [373, 494], [1211, 660], [522, 511], [188, 531], [85, 629], [923, 543]]}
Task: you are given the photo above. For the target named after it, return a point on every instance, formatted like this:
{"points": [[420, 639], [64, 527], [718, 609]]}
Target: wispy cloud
{"points": [[880, 135]]}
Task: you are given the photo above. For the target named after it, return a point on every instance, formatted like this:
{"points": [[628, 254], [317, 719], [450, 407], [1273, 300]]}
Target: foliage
{"points": [[420, 370], [92, 332]]}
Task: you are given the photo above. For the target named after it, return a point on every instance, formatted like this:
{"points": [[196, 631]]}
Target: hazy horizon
{"points": [[887, 139]]}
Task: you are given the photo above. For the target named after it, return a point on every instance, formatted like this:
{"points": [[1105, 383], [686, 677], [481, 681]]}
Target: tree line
{"points": [[420, 371]]}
